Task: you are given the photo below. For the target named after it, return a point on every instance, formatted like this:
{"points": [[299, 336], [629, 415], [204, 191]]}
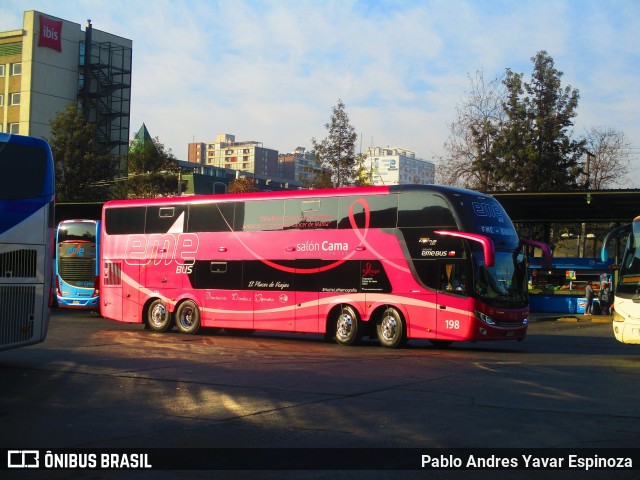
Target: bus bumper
{"points": [[626, 330], [488, 332], [79, 303]]}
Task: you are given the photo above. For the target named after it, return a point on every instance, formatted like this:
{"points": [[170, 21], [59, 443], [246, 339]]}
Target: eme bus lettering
{"points": [[163, 249], [482, 209]]}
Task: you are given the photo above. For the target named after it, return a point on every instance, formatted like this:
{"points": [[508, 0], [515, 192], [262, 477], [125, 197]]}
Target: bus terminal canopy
{"points": [[620, 206]]}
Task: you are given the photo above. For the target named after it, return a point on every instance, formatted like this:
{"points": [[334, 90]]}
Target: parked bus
{"points": [[396, 263], [76, 268], [26, 239], [626, 300]]}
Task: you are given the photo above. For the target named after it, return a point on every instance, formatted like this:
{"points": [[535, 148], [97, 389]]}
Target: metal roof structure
{"points": [[617, 206]]}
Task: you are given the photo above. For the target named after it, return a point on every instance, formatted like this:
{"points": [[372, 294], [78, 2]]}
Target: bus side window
{"points": [[382, 211], [427, 271], [124, 221], [453, 277], [166, 219], [424, 209], [263, 216], [303, 214], [211, 217]]}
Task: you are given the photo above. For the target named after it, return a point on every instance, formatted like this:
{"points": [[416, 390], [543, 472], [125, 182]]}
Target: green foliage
{"points": [[82, 174], [151, 157], [515, 135], [337, 152], [242, 185], [362, 173], [535, 145], [153, 172], [150, 185]]}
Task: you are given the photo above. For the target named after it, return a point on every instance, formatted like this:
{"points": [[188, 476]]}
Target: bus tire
{"points": [[158, 316], [347, 326], [188, 317], [390, 328]]}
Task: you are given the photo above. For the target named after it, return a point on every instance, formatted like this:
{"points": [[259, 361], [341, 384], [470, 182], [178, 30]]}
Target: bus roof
{"points": [[290, 194]]}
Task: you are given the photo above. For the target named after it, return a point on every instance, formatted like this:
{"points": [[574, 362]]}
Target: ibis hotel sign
{"points": [[50, 33]]}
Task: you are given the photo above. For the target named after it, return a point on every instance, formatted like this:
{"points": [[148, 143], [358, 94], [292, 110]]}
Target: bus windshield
{"points": [[77, 232], [16, 160], [629, 282], [504, 284]]}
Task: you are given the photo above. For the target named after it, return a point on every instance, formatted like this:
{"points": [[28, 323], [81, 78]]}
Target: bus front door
{"points": [[452, 302]]}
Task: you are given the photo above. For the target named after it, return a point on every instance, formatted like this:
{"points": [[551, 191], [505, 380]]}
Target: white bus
{"points": [[626, 304]]}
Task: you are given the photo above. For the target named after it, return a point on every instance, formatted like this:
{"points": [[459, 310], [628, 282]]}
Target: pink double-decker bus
{"points": [[395, 263]]}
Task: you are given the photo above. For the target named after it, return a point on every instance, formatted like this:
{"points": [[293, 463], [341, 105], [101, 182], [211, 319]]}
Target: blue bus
{"points": [[27, 185], [76, 265]]}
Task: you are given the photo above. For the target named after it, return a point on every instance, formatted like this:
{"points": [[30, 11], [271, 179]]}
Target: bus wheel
{"points": [[188, 317], [158, 317], [347, 326], [390, 328]]}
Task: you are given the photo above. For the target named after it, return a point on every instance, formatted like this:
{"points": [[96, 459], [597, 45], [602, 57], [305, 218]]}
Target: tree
{"points": [[535, 147], [609, 162], [82, 174], [151, 156], [472, 160], [337, 152], [362, 172], [153, 171], [242, 185]]}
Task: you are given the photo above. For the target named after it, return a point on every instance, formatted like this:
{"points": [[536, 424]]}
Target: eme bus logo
{"points": [[159, 249], [23, 459], [487, 210]]}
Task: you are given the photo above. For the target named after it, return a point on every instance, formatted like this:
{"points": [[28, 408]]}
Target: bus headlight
{"points": [[617, 317], [483, 317]]}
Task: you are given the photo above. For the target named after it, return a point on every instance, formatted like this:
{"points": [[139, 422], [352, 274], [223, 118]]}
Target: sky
{"points": [[272, 71]]}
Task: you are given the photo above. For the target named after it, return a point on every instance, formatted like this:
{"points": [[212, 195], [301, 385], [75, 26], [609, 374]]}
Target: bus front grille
{"points": [[80, 272], [18, 264], [17, 315]]}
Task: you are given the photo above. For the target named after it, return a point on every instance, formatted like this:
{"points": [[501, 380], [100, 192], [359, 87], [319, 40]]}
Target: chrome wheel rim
{"points": [[388, 327], [186, 317], [344, 325], [158, 315]]}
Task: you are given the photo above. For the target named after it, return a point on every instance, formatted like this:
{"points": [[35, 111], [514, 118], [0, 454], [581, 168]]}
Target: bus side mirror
{"points": [[487, 244], [546, 251], [616, 232]]}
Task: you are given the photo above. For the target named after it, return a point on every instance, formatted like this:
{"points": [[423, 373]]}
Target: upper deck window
{"points": [[371, 211], [424, 209], [311, 213]]}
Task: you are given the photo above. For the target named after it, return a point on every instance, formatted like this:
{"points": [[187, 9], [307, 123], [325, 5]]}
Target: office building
{"points": [[397, 166]]}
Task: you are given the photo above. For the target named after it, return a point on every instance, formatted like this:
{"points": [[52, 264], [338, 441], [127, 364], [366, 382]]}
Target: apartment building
{"points": [[300, 165], [226, 152]]}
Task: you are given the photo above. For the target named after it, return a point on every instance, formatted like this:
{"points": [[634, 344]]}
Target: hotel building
{"points": [[49, 63]]}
